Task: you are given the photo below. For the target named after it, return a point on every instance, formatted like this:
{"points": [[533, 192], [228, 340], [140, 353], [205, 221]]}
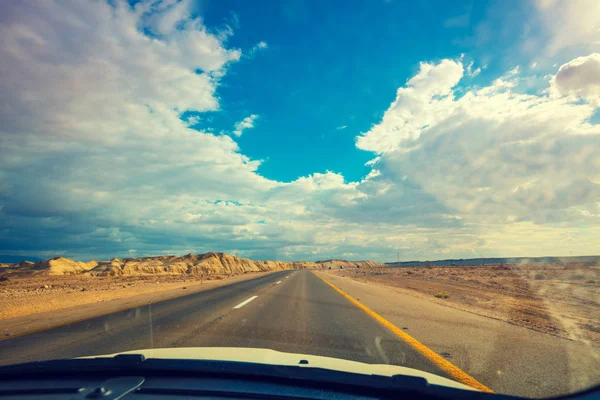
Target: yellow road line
{"points": [[455, 372]]}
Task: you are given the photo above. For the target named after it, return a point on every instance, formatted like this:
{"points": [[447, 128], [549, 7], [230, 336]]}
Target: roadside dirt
{"points": [[32, 295], [561, 300]]}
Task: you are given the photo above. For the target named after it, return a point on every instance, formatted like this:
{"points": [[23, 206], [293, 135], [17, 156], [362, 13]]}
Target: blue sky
{"points": [[324, 70], [300, 130]]}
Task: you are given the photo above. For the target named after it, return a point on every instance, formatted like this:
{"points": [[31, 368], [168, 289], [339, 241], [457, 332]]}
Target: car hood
{"points": [[273, 357]]}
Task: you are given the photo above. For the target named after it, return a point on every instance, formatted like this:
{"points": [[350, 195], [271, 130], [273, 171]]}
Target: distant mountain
{"points": [[500, 260], [6, 259], [203, 264], [336, 263]]}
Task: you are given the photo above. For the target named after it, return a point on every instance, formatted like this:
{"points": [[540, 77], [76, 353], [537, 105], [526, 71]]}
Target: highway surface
{"points": [[291, 311], [296, 311]]}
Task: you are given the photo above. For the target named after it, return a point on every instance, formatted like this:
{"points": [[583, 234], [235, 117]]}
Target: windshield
{"points": [[397, 183]]}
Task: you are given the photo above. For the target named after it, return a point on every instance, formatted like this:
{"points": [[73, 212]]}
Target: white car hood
{"points": [[273, 357]]}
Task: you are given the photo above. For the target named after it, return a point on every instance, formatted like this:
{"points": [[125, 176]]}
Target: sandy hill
{"points": [[208, 264], [205, 264], [54, 266]]}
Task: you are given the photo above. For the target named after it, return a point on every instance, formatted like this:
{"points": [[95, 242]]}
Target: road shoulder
{"points": [[507, 358]]}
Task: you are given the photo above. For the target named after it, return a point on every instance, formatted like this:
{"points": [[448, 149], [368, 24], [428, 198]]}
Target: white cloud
{"points": [[92, 137], [489, 157], [339, 128], [260, 46], [570, 24], [514, 71], [95, 160], [246, 123], [193, 120], [580, 77], [162, 18], [82, 68], [407, 116], [473, 72]]}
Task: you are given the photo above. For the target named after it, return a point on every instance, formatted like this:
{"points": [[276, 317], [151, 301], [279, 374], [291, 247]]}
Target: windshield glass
{"points": [[397, 183]]}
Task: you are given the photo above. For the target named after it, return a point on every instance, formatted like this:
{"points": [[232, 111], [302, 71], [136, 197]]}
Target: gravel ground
{"points": [[32, 295]]}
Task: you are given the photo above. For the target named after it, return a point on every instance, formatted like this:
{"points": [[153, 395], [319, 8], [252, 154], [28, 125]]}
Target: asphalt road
{"points": [[291, 311], [507, 358]]}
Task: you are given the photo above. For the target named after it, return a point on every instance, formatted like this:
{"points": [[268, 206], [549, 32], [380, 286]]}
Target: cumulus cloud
{"points": [[580, 77], [246, 123], [92, 138], [492, 157], [163, 17], [570, 23], [96, 161], [424, 101], [82, 67]]}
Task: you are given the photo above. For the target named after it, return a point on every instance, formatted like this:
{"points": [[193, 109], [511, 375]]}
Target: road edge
{"points": [[454, 371]]}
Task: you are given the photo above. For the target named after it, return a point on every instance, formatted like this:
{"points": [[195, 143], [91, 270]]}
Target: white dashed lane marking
{"points": [[243, 303]]}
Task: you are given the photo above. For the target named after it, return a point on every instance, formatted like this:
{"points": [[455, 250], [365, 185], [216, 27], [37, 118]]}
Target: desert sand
{"points": [[561, 299]]}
